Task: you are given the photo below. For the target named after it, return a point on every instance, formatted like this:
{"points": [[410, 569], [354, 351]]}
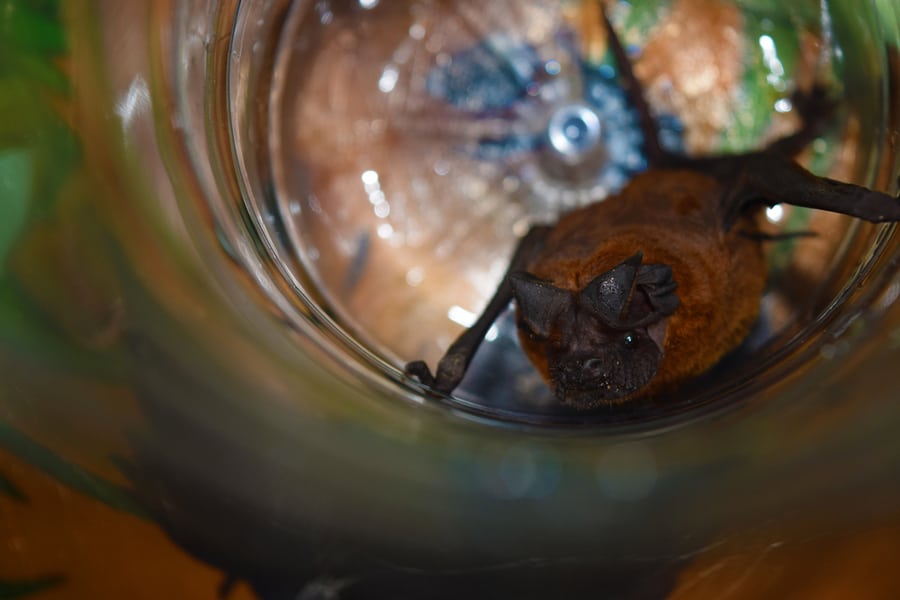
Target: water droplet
{"points": [[415, 276], [416, 31]]}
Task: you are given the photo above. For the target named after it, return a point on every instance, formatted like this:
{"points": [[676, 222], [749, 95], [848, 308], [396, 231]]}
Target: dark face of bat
{"points": [[603, 343]]}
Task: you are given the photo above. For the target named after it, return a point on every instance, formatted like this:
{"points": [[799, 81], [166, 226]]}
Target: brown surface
{"points": [[859, 565], [102, 554], [673, 217]]}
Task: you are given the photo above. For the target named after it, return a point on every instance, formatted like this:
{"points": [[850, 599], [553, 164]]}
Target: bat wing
{"points": [[452, 367], [768, 178]]}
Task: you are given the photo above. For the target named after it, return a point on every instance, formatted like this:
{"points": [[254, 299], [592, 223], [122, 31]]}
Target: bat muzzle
{"points": [[592, 381]]}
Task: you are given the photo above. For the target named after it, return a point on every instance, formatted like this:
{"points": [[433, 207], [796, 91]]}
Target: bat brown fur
{"points": [[629, 297], [674, 218]]}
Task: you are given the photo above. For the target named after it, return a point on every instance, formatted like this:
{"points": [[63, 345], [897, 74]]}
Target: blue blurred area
{"points": [[488, 77], [502, 77]]}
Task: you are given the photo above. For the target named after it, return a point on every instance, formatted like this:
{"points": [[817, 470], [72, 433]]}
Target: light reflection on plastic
{"points": [[134, 103], [385, 231], [416, 31], [461, 316], [890, 295], [415, 276], [784, 105], [380, 206], [772, 62], [382, 210], [369, 179], [388, 80], [324, 10]]}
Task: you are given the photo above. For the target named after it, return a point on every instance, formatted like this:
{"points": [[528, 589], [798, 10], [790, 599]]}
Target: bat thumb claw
{"points": [[419, 370]]}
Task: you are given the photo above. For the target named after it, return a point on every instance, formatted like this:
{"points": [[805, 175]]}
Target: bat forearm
{"points": [[771, 179], [452, 367]]}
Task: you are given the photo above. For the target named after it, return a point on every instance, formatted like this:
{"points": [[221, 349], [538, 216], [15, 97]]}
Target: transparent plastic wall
{"points": [[263, 209]]}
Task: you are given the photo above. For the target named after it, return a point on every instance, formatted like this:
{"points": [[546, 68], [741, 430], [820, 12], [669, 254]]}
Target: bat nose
{"points": [[582, 374], [586, 381], [592, 369]]}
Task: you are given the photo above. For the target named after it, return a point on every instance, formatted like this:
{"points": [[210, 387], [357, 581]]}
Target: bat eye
{"points": [[630, 339]]}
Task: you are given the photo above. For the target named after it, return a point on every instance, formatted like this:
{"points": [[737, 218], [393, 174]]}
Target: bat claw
{"points": [[450, 371], [419, 370]]}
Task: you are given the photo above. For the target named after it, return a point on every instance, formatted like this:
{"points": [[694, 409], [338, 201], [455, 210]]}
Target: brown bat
{"points": [[634, 295]]}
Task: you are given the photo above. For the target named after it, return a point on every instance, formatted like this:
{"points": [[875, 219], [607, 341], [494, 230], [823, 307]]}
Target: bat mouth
{"points": [[585, 383], [591, 395], [586, 399]]}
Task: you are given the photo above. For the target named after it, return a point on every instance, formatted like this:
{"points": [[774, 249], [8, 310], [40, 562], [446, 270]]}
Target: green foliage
{"points": [[640, 18], [30, 37], [9, 489], [40, 158], [764, 81], [38, 151], [10, 590], [67, 473], [39, 154], [802, 14], [889, 16], [15, 189]]}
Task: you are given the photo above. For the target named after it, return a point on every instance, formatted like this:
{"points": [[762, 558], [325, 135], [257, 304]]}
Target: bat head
{"points": [[600, 344]]}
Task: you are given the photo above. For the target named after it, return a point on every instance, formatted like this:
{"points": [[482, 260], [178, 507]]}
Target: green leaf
{"points": [[31, 84], [57, 155], [804, 14], [23, 589], [34, 334], [8, 488], [24, 110], [889, 16], [33, 69], [16, 173], [32, 26], [641, 17], [67, 473], [762, 86]]}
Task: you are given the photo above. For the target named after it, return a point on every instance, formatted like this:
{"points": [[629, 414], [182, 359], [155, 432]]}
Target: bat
{"points": [[624, 299]]}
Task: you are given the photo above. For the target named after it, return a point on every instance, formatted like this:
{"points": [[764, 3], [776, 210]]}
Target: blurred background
{"points": [[225, 226]]}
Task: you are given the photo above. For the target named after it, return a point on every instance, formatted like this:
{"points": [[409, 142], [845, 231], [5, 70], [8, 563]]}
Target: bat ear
{"points": [[659, 285], [540, 302], [608, 295]]}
